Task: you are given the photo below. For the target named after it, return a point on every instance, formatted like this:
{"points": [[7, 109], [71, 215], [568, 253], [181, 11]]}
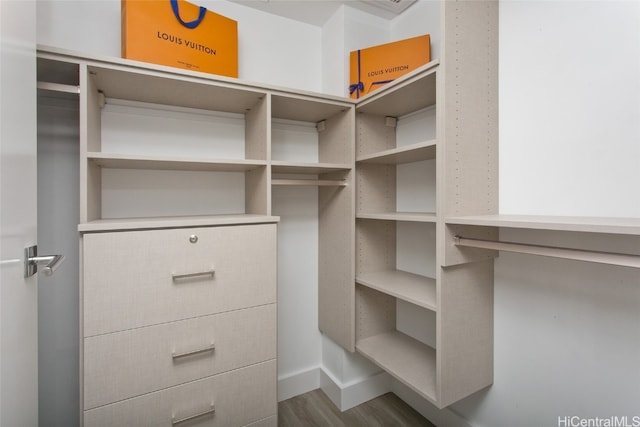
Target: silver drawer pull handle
{"points": [[177, 421], [211, 273], [177, 356]]}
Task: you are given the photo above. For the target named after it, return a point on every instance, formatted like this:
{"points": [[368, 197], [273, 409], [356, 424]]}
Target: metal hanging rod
{"points": [[310, 182], [626, 260]]}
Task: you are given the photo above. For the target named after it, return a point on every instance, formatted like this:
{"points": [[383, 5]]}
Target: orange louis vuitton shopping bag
{"points": [[375, 66], [179, 34]]}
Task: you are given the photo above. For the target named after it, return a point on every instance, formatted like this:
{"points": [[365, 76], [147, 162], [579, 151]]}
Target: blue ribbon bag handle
{"points": [[193, 24], [357, 87]]}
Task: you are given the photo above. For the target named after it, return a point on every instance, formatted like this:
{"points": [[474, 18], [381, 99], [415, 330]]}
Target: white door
{"points": [[18, 215]]}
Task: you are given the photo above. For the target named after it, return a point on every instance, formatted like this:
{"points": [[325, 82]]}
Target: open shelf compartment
{"points": [[396, 151], [408, 360], [158, 144], [312, 145], [158, 87], [283, 167], [413, 288], [387, 193], [410, 93], [399, 355], [308, 132], [407, 154]]}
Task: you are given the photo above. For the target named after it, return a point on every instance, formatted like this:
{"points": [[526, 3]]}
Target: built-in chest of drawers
{"points": [[179, 326]]}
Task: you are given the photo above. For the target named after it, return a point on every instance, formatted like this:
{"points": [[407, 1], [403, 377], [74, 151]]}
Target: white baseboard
{"points": [[299, 383], [346, 396], [439, 417]]}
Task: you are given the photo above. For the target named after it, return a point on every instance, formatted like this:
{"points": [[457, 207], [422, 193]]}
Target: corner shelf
{"points": [[407, 94], [305, 107], [406, 359], [382, 232]]}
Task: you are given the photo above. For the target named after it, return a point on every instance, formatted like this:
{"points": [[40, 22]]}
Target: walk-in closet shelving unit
{"points": [[180, 127], [177, 244], [380, 283], [192, 149], [168, 160], [313, 145], [461, 88]]}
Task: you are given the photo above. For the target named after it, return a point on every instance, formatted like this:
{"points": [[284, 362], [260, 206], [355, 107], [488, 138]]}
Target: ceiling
{"points": [[317, 12]]}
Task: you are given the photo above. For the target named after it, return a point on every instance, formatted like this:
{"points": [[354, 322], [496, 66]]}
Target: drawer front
{"points": [[239, 397], [125, 364], [132, 279]]}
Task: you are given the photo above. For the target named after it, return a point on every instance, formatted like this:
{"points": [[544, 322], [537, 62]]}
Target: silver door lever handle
{"points": [[32, 261]]}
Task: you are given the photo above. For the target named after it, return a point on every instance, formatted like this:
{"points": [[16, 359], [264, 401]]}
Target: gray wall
{"points": [[58, 217]]}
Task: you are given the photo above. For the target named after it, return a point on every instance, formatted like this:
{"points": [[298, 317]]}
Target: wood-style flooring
{"points": [[314, 409]]}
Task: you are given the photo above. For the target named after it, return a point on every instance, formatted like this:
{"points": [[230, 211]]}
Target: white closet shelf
{"points": [[278, 166], [411, 153], [406, 359], [119, 224], [185, 91], [120, 161], [305, 108], [58, 87], [607, 225], [413, 288], [399, 216], [411, 92]]}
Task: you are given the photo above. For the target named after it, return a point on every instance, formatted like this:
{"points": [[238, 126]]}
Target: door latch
{"points": [[32, 261]]}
